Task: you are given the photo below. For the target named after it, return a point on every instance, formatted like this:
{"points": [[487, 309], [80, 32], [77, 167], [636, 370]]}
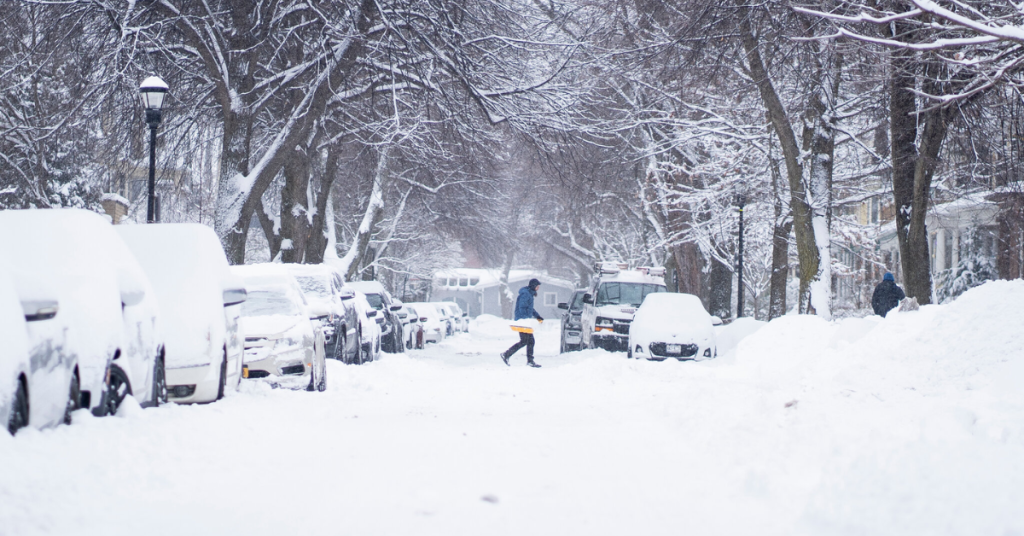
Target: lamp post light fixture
{"points": [[741, 201], [153, 91]]}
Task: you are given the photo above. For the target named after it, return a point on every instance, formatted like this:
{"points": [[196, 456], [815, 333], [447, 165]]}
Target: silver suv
{"points": [[611, 300]]}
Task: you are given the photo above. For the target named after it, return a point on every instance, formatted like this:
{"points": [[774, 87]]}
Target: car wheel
{"points": [[19, 410], [119, 388], [160, 381], [74, 397], [223, 376]]}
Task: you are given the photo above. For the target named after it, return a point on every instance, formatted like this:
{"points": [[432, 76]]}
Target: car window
{"points": [[375, 301], [577, 301], [268, 302], [314, 285], [633, 294]]}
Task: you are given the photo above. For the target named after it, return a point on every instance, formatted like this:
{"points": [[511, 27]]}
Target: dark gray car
{"points": [[572, 328]]}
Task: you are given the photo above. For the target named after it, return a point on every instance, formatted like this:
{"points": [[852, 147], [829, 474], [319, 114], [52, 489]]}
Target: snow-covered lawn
{"points": [[909, 425]]}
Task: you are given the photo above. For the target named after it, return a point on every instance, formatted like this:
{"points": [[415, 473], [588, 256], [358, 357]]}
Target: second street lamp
{"points": [[741, 201], [153, 90]]}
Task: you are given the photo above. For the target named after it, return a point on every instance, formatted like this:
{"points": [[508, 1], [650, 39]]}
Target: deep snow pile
{"points": [[909, 425]]}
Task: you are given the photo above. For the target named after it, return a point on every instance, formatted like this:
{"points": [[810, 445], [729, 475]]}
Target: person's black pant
{"points": [[525, 339]]}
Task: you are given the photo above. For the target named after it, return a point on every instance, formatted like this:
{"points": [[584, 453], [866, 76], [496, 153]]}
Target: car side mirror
{"points": [[234, 296], [465, 315], [413, 320], [423, 319], [347, 294], [716, 321], [396, 307], [563, 305], [587, 298], [39, 309], [371, 314]]}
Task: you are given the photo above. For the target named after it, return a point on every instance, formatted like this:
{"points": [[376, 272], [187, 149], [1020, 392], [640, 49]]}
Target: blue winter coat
{"points": [[524, 305]]}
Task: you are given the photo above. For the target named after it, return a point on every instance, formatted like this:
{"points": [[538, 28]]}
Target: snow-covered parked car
{"points": [[331, 301], [571, 325], [199, 305], [29, 396], [434, 327], [611, 300], [445, 316], [282, 342], [460, 320], [672, 326], [106, 336], [380, 299], [413, 328], [370, 331]]}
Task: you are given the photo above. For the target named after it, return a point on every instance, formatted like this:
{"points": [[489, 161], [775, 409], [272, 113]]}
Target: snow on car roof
{"points": [[672, 305], [188, 270], [367, 287], [632, 276]]}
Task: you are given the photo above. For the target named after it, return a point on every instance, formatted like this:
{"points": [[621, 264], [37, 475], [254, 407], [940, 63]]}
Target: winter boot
{"points": [[505, 359], [531, 363]]}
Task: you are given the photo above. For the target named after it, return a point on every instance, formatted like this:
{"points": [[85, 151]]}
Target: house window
{"points": [[550, 299], [874, 210], [463, 282], [473, 282]]}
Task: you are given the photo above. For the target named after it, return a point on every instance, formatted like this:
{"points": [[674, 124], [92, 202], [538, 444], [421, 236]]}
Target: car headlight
{"points": [[292, 339], [604, 322]]}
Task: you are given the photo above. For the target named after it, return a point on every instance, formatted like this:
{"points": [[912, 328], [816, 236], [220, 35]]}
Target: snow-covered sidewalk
{"points": [[909, 425]]}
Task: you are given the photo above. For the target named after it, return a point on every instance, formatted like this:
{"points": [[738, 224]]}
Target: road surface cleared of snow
{"points": [[909, 425]]}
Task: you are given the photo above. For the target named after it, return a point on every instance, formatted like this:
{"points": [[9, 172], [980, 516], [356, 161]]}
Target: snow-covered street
{"points": [[909, 425]]}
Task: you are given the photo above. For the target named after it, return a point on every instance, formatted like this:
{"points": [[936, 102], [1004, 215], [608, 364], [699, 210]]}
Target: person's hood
{"points": [[527, 289]]}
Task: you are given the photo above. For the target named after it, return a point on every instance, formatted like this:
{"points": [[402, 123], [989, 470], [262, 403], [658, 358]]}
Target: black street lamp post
{"points": [[153, 91], [741, 200]]}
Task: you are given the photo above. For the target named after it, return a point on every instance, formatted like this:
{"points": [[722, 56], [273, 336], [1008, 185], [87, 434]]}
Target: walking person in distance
{"points": [[887, 295], [524, 315]]}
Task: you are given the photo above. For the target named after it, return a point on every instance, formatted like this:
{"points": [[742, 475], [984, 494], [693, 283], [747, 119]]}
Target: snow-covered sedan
{"points": [[434, 328], [413, 328], [672, 326], [106, 338], [460, 320], [199, 305], [330, 300], [282, 342], [370, 329], [390, 326], [28, 397]]}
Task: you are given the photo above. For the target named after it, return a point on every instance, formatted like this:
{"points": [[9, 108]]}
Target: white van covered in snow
{"points": [[611, 301]]}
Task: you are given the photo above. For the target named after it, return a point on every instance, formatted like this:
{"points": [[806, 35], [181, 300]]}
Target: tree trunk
{"points": [[504, 292], [782, 227], [316, 248], [807, 248], [295, 220], [351, 263]]}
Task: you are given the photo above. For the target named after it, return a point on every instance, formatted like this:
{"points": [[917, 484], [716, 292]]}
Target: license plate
{"points": [[673, 348]]}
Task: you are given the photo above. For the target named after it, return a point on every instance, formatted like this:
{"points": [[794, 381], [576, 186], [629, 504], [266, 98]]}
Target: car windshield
{"points": [[268, 302], [625, 293], [577, 301], [315, 286], [375, 301]]}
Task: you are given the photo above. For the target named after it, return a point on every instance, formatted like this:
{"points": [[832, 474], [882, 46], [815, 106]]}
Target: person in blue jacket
{"points": [[887, 295], [525, 310]]}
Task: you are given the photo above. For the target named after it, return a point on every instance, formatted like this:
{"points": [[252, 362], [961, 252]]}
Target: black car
{"points": [[571, 326], [391, 339]]}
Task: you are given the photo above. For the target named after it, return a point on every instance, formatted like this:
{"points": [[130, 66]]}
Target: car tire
{"points": [[74, 397], [120, 387], [222, 384], [19, 409], [321, 384], [160, 381]]}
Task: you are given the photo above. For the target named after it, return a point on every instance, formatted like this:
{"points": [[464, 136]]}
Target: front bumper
{"points": [[610, 342], [283, 365], [205, 379]]}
